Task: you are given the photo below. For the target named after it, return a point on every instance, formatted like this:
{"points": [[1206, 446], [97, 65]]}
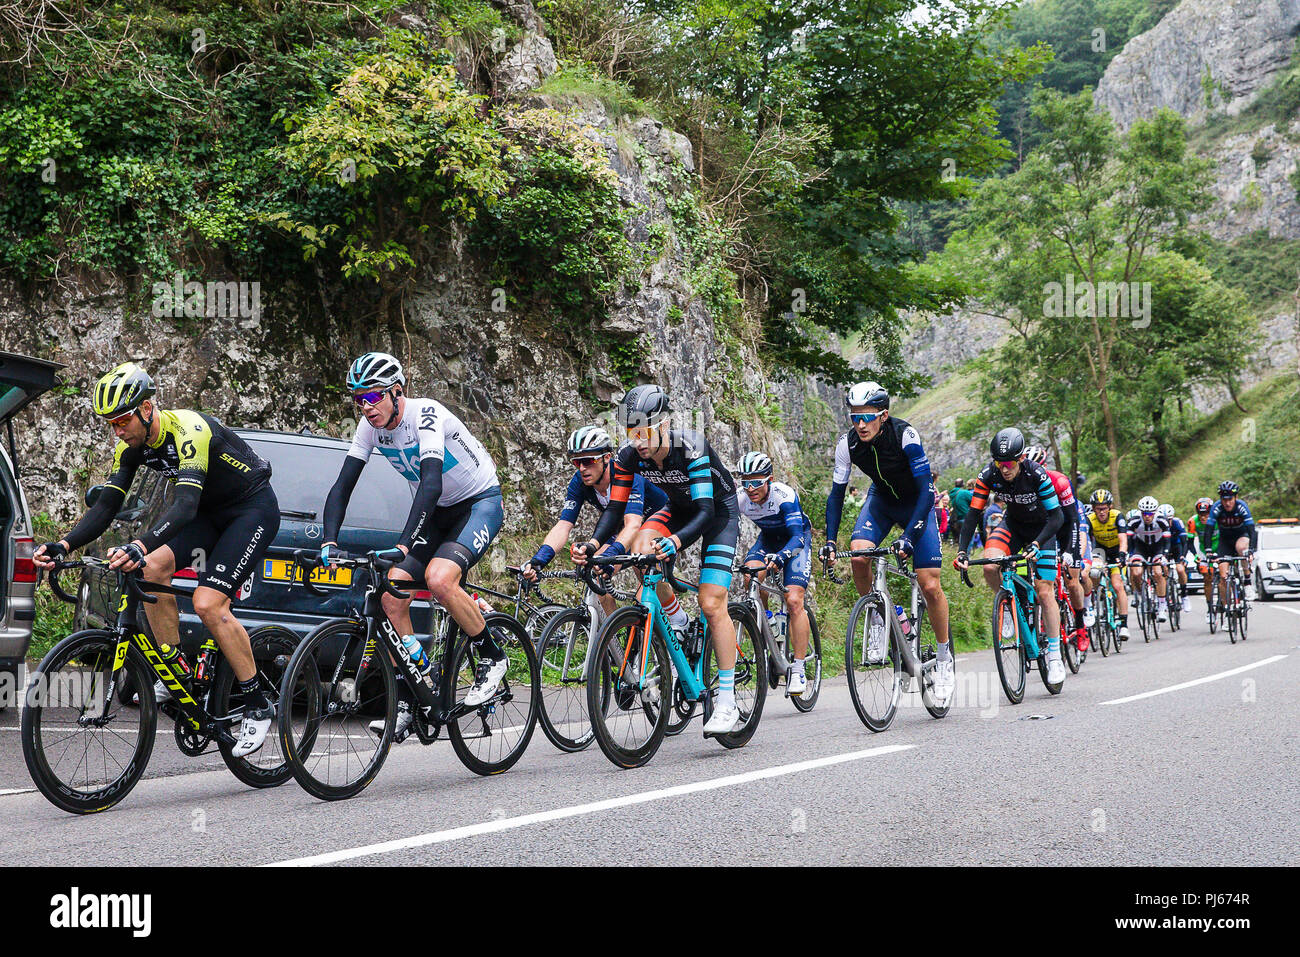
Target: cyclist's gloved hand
{"points": [[329, 553], [128, 554], [49, 553], [1031, 552], [665, 547], [961, 561], [1067, 559], [902, 548], [827, 552]]}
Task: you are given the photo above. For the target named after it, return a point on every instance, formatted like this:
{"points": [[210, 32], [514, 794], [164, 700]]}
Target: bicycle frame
{"points": [[691, 676], [884, 567], [776, 646]]}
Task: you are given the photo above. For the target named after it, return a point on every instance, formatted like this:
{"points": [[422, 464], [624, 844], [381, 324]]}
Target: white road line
{"points": [[4, 791], [492, 827], [1198, 681], [1289, 611]]}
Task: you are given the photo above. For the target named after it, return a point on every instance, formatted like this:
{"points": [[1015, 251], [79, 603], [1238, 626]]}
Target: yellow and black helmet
{"points": [[122, 390]]}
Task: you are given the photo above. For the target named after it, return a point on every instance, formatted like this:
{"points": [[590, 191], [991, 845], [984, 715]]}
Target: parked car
{"points": [[1277, 562], [303, 467], [22, 380]]}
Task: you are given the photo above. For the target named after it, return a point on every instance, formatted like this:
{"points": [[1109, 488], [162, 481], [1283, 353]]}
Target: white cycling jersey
{"points": [[428, 429]]}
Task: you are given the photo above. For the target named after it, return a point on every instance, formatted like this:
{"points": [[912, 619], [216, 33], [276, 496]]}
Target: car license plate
{"points": [[282, 570]]}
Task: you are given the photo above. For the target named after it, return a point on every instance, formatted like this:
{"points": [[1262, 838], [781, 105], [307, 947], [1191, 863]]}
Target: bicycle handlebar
{"points": [[132, 582], [381, 561], [641, 561]]}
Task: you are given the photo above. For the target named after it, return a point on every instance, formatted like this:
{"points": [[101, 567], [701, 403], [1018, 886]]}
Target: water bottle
{"points": [[206, 663], [483, 606], [417, 653], [903, 621], [780, 624], [176, 662]]}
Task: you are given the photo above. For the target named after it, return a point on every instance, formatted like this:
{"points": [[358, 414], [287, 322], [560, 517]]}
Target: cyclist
{"points": [[1109, 531], [784, 545], [590, 451], [1031, 522], [889, 451], [455, 514], [1194, 527], [1150, 539], [222, 518], [1237, 535], [1069, 543], [701, 505], [1177, 549]]}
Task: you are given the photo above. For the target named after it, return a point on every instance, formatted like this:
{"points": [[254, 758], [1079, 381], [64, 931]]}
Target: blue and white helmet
{"points": [[755, 463], [589, 440], [867, 393], [375, 370], [1165, 512]]}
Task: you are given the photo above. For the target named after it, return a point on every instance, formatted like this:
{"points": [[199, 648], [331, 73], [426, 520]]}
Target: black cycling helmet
{"points": [[1228, 488], [1007, 445], [643, 405], [1101, 496], [121, 390]]}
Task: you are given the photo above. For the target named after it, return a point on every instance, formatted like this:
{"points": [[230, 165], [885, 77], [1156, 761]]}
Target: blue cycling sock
{"points": [[726, 687]]}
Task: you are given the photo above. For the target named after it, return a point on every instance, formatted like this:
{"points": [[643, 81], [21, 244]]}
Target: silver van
{"points": [[22, 380]]}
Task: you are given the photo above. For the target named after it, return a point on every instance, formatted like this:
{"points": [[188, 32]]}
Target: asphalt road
{"points": [[1122, 768]]}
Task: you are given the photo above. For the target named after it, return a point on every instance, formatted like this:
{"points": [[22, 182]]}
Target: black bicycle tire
{"points": [[741, 612], [1014, 695], [285, 640], [859, 609], [619, 756], [809, 701], [565, 743], [472, 761], [100, 799]]}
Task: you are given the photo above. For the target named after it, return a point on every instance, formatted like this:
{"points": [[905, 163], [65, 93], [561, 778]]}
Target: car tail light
{"points": [[24, 567], [186, 573]]}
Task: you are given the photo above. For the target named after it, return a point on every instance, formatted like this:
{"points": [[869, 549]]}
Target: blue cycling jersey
{"points": [[642, 499]]}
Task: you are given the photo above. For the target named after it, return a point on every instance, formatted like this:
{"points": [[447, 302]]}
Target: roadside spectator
{"points": [[959, 497]]}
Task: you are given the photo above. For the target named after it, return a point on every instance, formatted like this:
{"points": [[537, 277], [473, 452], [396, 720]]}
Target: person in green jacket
{"points": [[959, 497]]}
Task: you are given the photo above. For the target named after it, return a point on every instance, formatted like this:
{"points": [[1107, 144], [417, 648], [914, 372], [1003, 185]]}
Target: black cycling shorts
{"points": [[719, 539], [460, 533], [224, 546]]}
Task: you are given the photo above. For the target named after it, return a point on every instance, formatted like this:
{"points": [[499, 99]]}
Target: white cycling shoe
{"points": [[401, 727], [486, 679], [945, 682], [1056, 670], [723, 720], [1162, 614], [1089, 618], [1186, 606], [797, 684], [1250, 593], [252, 731]]}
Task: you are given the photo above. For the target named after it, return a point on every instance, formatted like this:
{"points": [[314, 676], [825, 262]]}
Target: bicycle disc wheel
{"points": [[82, 757], [812, 667], [327, 705], [1007, 651], [561, 657], [875, 686], [272, 647], [750, 675], [626, 688], [489, 739]]}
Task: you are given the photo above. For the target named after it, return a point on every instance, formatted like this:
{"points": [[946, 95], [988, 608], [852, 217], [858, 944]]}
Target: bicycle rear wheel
{"points": [[82, 757], [751, 675], [329, 694], [562, 655], [683, 709], [272, 647], [1230, 612], [874, 669], [1069, 649], [627, 688], [812, 667], [1007, 650], [489, 739]]}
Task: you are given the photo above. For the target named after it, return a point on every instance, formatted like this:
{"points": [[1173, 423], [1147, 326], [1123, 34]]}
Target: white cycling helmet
{"points": [[589, 440], [1147, 504], [1036, 454], [1165, 511], [867, 393], [375, 370]]}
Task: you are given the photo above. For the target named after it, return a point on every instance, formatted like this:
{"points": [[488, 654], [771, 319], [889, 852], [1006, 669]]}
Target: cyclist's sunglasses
{"points": [[753, 483], [585, 461], [864, 418], [1007, 465], [122, 419], [369, 398], [1227, 498], [642, 431]]}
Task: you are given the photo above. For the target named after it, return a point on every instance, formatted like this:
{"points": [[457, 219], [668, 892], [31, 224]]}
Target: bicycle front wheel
{"points": [[272, 647], [750, 675], [1007, 650], [872, 664], [562, 658], [628, 693], [336, 686], [489, 739], [85, 754]]}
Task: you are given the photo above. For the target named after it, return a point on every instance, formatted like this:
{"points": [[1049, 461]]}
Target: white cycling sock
{"points": [[676, 616], [797, 666]]}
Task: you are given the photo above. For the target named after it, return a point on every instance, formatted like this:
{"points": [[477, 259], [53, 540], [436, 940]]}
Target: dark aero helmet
{"points": [[1102, 496], [1007, 445], [122, 390], [643, 405]]}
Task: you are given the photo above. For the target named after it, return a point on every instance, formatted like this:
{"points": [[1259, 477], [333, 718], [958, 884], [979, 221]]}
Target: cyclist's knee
{"points": [[794, 602], [392, 605], [713, 600], [443, 579], [210, 605]]}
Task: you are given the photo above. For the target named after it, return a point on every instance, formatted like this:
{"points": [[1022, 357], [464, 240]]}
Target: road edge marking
{"points": [[576, 810], [1197, 681]]}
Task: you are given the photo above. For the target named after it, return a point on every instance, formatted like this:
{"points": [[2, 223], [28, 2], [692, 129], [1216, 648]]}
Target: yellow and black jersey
{"points": [[198, 451], [1106, 534]]}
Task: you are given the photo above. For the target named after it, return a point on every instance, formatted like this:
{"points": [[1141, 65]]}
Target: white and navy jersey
{"points": [[1151, 537], [778, 517], [429, 430]]}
